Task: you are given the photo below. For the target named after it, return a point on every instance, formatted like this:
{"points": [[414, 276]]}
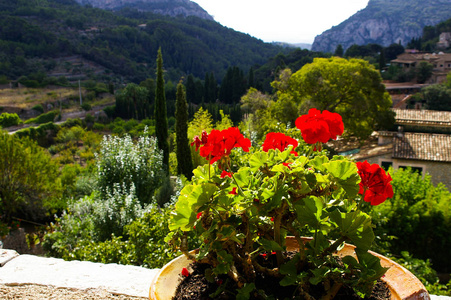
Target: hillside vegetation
{"points": [[34, 36]]}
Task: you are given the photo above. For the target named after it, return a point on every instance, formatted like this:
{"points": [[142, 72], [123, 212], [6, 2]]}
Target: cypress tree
{"points": [[161, 120], [184, 161]]}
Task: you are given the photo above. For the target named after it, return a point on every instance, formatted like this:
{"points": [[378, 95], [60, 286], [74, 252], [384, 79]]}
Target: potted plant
{"points": [[242, 206]]}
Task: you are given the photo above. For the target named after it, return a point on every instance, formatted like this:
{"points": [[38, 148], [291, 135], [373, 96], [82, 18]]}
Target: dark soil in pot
{"points": [[196, 286]]}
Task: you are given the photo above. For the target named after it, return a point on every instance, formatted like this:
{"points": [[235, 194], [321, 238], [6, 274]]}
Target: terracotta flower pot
{"points": [[402, 283]]}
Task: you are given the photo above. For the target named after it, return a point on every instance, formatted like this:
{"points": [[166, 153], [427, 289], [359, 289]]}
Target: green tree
{"points": [[184, 161], [339, 51], [28, 178], [438, 97], [132, 102], [161, 119], [352, 88], [382, 62], [424, 71]]}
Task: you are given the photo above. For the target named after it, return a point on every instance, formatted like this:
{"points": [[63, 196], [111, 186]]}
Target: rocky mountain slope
{"points": [[384, 22], [165, 7]]}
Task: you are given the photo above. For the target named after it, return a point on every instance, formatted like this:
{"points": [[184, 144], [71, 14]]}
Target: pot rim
{"points": [[402, 283]]}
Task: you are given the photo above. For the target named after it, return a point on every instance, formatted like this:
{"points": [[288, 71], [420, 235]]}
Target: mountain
{"points": [[165, 7], [384, 22], [62, 36]]}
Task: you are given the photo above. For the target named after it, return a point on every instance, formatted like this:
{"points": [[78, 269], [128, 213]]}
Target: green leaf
{"points": [[243, 177], [245, 292], [318, 162], [191, 198], [225, 262], [258, 160], [309, 211], [345, 174], [319, 275], [269, 245], [341, 170], [355, 225], [370, 265]]}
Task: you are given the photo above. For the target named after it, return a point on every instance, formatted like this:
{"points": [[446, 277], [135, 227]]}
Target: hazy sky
{"points": [[292, 21]]}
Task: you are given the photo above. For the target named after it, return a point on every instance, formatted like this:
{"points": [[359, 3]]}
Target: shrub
{"points": [[8, 120], [122, 162], [110, 111], [417, 219], [43, 134], [98, 126], [119, 207], [142, 242], [39, 108], [43, 118], [86, 106]]}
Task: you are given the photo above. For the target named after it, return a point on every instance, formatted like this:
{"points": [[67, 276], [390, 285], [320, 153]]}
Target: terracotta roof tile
{"points": [[422, 117], [423, 146]]}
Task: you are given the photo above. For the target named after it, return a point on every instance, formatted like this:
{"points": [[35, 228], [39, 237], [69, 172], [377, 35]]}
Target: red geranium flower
{"points": [[220, 143], [319, 127], [375, 183], [199, 215], [185, 272], [225, 173], [233, 191], [278, 140]]}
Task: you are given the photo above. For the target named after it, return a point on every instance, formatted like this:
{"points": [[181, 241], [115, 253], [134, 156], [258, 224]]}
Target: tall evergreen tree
{"points": [[191, 96], [339, 51], [184, 161], [161, 120], [251, 78]]}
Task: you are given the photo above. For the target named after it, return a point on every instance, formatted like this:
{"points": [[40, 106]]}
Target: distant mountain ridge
{"points": [[171, 8], [384, 22]]}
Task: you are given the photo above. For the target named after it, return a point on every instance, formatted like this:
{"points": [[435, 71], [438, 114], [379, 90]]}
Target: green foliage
{"points": [[202, 121], [424, 71], [132, 102], [123, 164], [39, 108], [42, 134], [417, 219], [141, 244], [24, 191], [352, 88], [86, 106], [437, 97], [43, 118], [425, 273], [184, 161], [8, 120], [161, 121], [272, 195]]}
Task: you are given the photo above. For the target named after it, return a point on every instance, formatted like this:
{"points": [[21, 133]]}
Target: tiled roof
{"points": [[423, 146], [422, 117]]}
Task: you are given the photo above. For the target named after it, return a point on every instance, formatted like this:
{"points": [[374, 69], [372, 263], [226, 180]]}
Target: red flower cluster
{"points": [[375, 184], [319, 127], [278, 140], [225, 174], [219, 143], [198, 142]]}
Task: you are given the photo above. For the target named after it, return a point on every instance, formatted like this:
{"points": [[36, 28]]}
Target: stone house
{"points": [[440, 61], [422, 142], [444, 41]]}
